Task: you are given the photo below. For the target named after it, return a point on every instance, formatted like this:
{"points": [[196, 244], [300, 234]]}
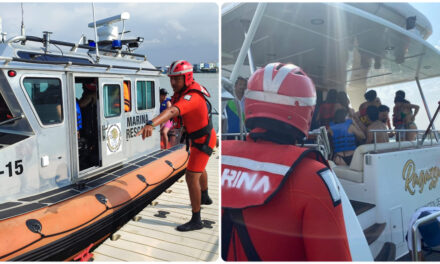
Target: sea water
{"points": [[210, 82]]}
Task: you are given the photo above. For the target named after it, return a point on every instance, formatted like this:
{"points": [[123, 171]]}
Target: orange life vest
{"points": [[267, 193], [127, 98], [203, 127]]}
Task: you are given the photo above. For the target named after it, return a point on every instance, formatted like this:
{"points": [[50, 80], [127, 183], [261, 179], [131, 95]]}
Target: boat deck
{"points": [[153, 237]]}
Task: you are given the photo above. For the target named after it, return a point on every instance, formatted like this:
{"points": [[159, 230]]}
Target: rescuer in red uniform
{"points": [[280, 202], [191, 109]]}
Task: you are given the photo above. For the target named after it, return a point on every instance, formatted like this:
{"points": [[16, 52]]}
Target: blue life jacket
{"points": [[342, 140], [79, 121], [163, 105]]}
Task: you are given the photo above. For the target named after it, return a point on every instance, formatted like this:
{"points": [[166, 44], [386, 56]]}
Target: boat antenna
{"points": [[23, 30], [96, 34], [123, 29]]}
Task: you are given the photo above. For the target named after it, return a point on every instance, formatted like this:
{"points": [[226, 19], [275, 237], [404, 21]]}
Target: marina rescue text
{"points": [[134, 124]]}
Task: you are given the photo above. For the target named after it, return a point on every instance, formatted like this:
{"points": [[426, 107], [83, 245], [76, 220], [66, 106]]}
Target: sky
{"points": [[430, 87], [172, 31]]}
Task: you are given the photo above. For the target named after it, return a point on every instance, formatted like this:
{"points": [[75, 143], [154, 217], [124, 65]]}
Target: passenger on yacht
{"points": [[344, 133], [372, 99], [398, 122], [373, 115], [327, 109], [384, 117], [232, 111], [342, 102], [408, 117]]}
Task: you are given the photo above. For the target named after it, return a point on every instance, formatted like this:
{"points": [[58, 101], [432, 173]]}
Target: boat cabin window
{"points": [[45, 95], [5, 113], [112, 100], [145, 95]]}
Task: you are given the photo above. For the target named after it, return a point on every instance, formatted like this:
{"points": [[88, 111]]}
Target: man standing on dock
{"points": [[191, 109]]}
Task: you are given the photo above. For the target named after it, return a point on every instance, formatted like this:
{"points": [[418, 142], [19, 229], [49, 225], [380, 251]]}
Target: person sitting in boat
{"points": [[376, 124], [327, 109], [372, 99], [344, 133], [273, 210], [342, 102], [384, 117], [165, 127], [398, 122], [232, 109], [190, 109]]}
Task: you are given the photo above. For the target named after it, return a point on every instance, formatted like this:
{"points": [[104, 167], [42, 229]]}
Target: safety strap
{"points": [[204, 131], [233, 218], [201, 132]]}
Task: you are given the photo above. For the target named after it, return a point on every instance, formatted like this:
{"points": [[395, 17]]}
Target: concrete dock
{"points": [[153, 237]]}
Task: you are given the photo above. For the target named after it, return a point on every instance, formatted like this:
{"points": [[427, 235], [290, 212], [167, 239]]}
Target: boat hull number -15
{"points": [[12, 168]]}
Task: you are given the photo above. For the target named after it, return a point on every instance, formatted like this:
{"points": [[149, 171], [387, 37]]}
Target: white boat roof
{"points": [[16, 55], [327, 40]]}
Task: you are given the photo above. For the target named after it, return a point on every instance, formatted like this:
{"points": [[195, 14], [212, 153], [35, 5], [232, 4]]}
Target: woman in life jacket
{"points": [[344, 133], [190, 109]]}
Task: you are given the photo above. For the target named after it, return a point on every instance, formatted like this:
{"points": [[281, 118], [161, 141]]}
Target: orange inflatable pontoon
{"points": [[59, 224]]}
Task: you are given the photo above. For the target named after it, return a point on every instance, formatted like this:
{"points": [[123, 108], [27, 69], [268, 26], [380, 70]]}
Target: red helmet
{"points": [[282, 92], [184, 68]]}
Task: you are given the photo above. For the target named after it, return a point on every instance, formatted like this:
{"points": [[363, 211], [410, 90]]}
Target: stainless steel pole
{"points": [[426, 106]]}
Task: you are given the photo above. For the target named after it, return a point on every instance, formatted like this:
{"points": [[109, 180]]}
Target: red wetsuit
{"points": [[279, 204], [194, 113]]}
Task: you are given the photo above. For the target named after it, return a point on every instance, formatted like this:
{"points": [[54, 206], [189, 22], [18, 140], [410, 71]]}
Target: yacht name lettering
{"points": [[134, 125], [413, 179]]}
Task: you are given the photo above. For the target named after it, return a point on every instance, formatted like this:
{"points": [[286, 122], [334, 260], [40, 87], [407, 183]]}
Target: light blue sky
{"points": [[172, 31], [431, 86]]}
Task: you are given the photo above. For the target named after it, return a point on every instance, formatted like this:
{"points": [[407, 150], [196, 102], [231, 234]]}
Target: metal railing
{"points": [[321, 144], [414, 255], [400, 131]]}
